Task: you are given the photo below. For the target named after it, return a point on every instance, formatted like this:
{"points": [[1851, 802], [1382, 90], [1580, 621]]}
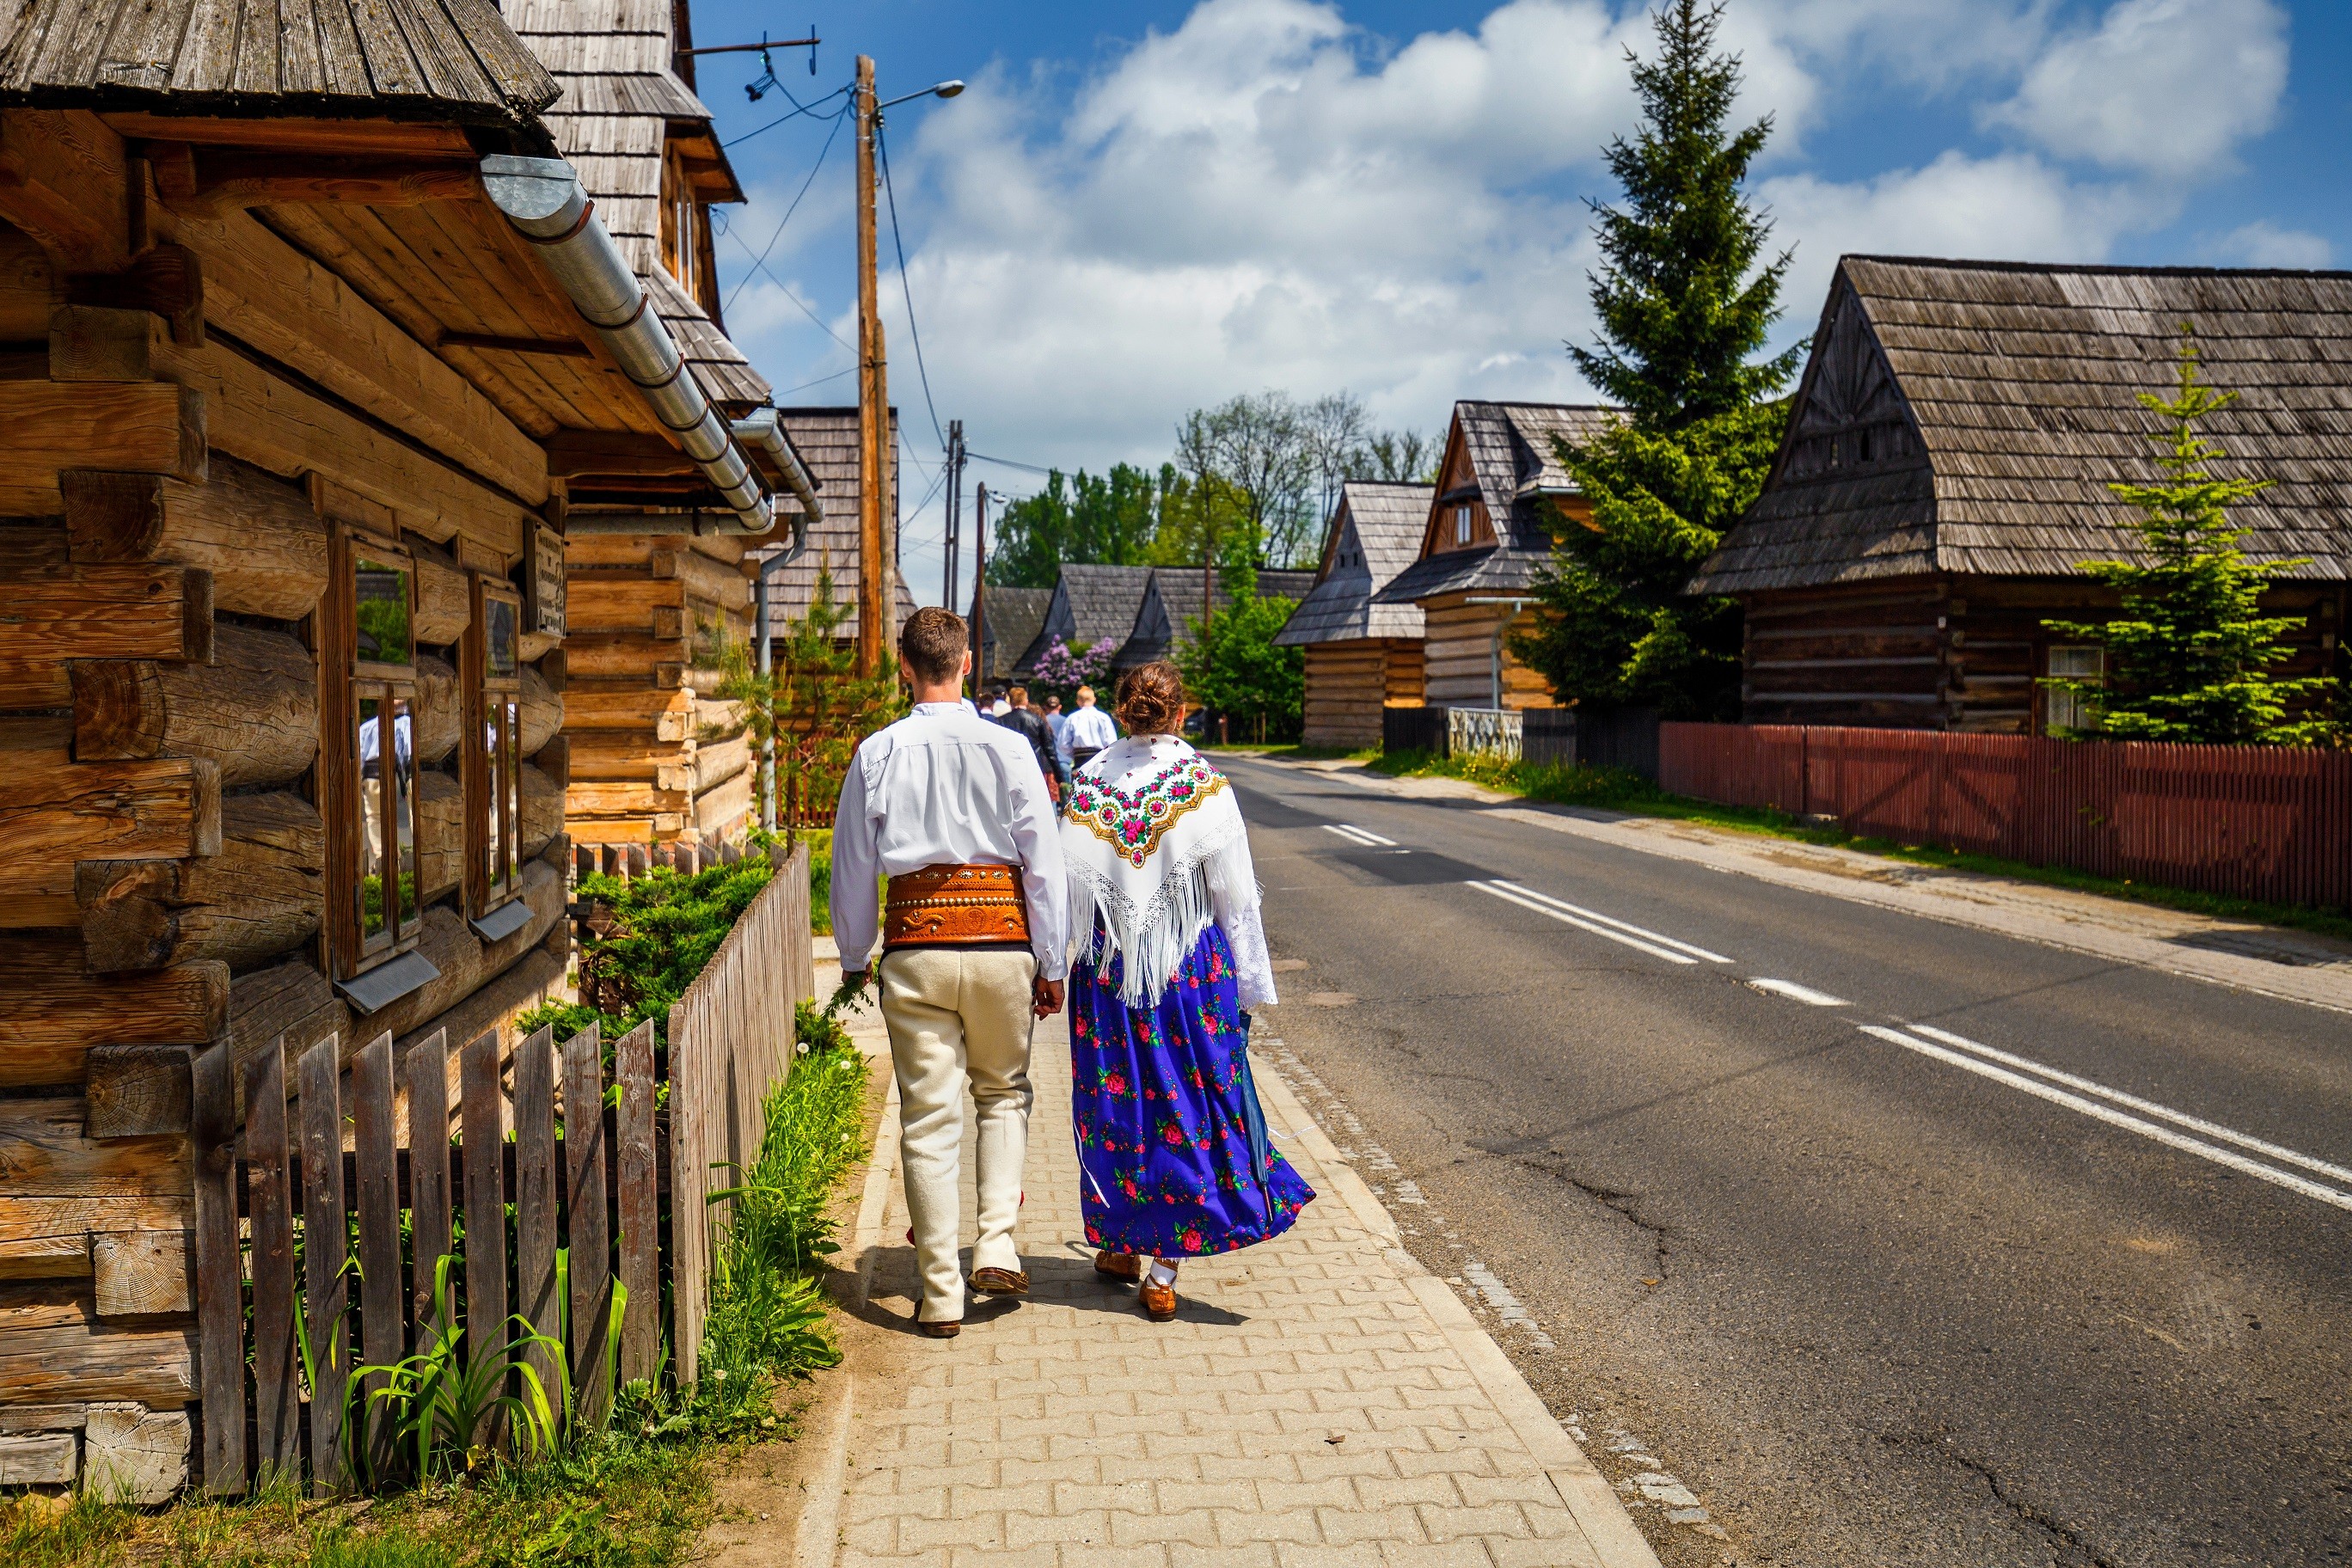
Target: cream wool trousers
{"points": [[957, 1017]]}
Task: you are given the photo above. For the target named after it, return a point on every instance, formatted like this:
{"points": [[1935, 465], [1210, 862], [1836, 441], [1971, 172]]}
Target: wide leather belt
{"points": [[955, 906]]}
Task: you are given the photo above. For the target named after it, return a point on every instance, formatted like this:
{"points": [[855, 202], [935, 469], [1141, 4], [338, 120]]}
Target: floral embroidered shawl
{"points": [[1145, 822]]}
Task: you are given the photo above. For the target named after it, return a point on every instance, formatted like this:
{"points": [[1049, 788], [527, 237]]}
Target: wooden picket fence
{"points": [[296, 1158]]}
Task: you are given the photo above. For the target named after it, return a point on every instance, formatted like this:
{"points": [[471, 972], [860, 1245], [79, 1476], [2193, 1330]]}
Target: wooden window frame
{"points": [[2052, 696], [346, 682], [493, 707]]}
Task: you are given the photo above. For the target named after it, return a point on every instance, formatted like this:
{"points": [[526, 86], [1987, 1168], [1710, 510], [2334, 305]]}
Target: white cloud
{"points": [[2167, 87], [2265, 243]]}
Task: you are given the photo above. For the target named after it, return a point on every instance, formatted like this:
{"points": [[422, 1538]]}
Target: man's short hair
{"points": [[1086, 694], [1053, 700], [1018, 696], [933, 643]]}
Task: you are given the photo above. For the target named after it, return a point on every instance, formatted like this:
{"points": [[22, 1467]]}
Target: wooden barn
{"points": [[1500, 491], [1946, 470], [1170, 606], [1362, 656], [1091, 605], [654, 757], [302, 322]]}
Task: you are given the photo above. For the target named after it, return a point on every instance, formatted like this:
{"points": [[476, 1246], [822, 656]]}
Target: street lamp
{"points": [[948, 89]]}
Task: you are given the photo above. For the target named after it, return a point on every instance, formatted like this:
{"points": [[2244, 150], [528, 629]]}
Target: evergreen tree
{"points": [[1683, 304], [2190, 650]]}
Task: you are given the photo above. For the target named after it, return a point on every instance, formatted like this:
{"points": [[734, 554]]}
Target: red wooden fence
{"points": [[2251, 822]]}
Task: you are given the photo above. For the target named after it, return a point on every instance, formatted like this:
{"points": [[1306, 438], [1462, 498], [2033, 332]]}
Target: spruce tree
{"points": [[2190, 651], [1684, 299]]}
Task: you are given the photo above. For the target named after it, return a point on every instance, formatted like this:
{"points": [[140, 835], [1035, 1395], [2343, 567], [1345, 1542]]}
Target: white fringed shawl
{"points": [[1156, 850]]}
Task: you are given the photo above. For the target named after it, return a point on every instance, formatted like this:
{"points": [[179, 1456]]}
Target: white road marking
{"points": [[1502, 891], [2114, 1118], [1795, 992], [1360, 835], [2132, 1101], [1691, 948]]}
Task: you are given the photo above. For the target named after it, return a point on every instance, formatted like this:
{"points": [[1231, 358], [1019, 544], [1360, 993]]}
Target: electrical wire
{"points": [[799, 109], [820, 381], [1006, 462], [899, 243], [760, 262]]}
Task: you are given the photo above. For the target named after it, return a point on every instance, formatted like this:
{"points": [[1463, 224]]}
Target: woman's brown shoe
{"points": [[944, 1328], [1001, 1281], [1159, 1300], [1120, 1268]]}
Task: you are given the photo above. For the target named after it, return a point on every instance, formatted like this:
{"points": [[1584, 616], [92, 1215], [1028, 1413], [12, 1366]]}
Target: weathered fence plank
{"points": [[276, 1395], [589, 1249], [639, 1204], [220, 1283], [428, 1174], [383, 1326], [535, 1210], [484, 1135], [324, 1248]]}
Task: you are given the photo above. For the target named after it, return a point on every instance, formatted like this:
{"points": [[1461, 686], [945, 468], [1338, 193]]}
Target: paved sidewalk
{"points": [[2275, 961], [1320, 1399]]}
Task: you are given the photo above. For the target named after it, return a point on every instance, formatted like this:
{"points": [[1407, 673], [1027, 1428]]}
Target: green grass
{"points": [[1610, 789]]}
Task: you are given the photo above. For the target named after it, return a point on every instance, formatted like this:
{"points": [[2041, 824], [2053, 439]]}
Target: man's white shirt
{"points": [[1089, 729], [944, 786]]}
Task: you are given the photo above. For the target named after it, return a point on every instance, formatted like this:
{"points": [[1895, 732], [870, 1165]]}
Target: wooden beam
{"points": [[254, 711], [258, 415], [385, 137], [51, 817], [661, 660], [63, 180], [209, 181], [58, 1011], [149, 427], [262, 895], [54, 1346], [164, 281], [258, 535], [47, 1154], [724, 586], [571, 453], [628, 604], [263, 291], [559, 348], [57, 613]]}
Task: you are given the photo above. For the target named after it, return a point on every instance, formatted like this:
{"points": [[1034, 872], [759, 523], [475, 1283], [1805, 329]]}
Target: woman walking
{"points": [[1173, 1157]]}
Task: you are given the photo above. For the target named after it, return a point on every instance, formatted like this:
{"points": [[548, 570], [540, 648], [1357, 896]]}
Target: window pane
{"points": [[499, 633], [372, 823], [514, 788], [403, 807], [2079, 663], [494, 761], [381, 592]]}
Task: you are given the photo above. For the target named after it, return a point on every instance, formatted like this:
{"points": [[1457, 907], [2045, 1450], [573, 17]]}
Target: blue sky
{"points": [[1137, 209]]}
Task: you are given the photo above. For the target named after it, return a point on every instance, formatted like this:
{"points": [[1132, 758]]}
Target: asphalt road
{"points": [[1871, 1298]]}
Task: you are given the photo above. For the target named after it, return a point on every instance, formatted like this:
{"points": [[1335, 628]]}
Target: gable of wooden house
{"points": [[1092, 605], [283, 678], [1170, 609], [1947, 464], [1500, 491], [827, 440], [1362, 655], [1008, 619]]}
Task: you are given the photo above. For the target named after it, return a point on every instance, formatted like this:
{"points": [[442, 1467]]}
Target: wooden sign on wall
{"points": [[544, 610]]}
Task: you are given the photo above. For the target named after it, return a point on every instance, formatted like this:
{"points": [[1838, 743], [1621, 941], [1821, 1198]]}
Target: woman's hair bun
{"points": [[1151, 700]]}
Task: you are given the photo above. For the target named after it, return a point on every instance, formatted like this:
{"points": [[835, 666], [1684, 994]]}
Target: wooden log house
{"points": [[1945, 469], [656, 755], [1091, 605], [1009, 626], [1171, 607], [1362, 656], [289, 402], [1500, 492]]}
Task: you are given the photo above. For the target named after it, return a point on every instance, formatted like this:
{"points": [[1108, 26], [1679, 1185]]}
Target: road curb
{"points": [[1613, 1539]]}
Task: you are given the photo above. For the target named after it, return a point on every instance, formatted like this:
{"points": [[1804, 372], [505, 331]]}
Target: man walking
{"points": [[1031, 726], [1088, 731], [974, 933]]}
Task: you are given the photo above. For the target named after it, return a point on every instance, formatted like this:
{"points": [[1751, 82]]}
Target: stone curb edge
{"points": [[1614, 1540]]}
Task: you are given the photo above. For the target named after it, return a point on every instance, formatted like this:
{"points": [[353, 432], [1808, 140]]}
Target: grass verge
{"points": [[636, 1495], [1614, 790]]}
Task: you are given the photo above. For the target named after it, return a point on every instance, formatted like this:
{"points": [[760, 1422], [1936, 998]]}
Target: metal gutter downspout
{"points": [[543, 198]]}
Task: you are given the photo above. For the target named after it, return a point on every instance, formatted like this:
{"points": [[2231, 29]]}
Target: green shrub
{"points": [[666, 926], [1562, 784]]}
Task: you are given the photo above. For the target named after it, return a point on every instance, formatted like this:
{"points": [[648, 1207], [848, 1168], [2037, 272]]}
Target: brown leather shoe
{"points": [[1119, 1268], [1159, 1300], [1001, 1281], [945, 1329]]}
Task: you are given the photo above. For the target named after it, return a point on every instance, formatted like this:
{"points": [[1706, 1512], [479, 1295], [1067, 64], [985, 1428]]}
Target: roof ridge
{"points": [[1973, 264]]}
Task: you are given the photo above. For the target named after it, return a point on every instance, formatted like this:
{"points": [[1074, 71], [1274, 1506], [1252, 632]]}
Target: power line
{"points": [[899, 244], [1009, 463], [760, 262], [820, 381], [799, 109]]}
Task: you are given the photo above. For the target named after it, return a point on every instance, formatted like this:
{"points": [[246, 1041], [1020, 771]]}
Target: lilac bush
{"points": [[1062, 670]]}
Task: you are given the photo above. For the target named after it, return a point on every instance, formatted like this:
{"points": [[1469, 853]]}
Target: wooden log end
{"points": [[142, 1273], [196, 615], [129, 913], [112, 516], [135, 1454], [100, 342], [139, 1091], [118, 709]]}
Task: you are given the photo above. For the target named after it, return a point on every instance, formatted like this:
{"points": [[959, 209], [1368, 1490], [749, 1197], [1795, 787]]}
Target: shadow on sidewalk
{"points": [[1054, 1282]]}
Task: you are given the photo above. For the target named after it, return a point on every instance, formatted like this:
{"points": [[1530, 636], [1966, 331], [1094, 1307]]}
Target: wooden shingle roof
{"points": [[1516, 469], [827, 439], [1009, 626], [1091, 604], [1172, 604], [1375, 534], [1967, 416], [439, 60]]}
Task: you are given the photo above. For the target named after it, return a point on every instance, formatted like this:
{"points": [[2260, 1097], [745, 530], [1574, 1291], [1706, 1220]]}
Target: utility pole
{"points": [[980, 591], [875, 599], [955, 507]]}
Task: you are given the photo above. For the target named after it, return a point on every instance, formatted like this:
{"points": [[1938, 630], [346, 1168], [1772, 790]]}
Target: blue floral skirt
{"points": [[1164, 1148]]}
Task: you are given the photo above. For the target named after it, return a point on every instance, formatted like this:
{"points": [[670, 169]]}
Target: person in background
{"points": [[1057, 721], [976, 944], [1088, 731], [1173, 1154], [1031, 726], [999, 705]]}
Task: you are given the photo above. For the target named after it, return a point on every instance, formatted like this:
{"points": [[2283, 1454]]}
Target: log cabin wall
{"points": [[191, 463], [1348, 684], [1458, 651]]}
